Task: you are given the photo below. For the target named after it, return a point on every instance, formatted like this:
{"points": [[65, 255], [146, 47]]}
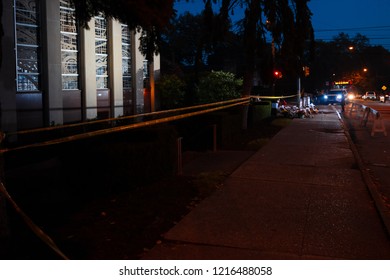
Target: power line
{"points": [[354, 28]]}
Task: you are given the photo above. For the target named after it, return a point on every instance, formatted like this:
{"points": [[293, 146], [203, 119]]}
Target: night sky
{"points": [[330, 17]]}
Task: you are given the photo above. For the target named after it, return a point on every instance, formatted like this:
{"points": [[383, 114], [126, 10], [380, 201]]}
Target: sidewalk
{"points": [[302, 196]]}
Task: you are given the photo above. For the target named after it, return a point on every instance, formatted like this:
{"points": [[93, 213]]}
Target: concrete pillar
{"points": [[88, 70], [8, 117], [52, 79], [144, 103]]}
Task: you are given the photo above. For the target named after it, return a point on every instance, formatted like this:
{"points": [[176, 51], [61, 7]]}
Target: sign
{"points": [[343, 82]]}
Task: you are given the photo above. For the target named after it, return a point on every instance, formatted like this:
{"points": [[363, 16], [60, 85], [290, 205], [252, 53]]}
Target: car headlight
{"points": [[351, 96], [325, 97], [339, 96]]}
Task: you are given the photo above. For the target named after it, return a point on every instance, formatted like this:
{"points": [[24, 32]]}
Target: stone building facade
{"points": [[54, 72]]}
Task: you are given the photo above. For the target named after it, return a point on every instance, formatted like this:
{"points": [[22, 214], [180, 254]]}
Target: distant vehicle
{"points": [[334, 96], [371, 95], [350, 96], [383, 97]]}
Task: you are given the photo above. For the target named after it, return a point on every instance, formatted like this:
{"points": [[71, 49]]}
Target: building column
{"points": [[8, 116], [88, 70], [145, 100], [52, 78]]}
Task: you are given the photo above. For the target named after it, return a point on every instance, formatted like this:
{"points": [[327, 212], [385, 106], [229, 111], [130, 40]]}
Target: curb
{"points": [[382, 209]]}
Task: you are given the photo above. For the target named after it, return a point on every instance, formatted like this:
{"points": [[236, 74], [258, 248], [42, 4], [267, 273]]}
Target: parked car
{"points": [[370, 95], [383, 97]]}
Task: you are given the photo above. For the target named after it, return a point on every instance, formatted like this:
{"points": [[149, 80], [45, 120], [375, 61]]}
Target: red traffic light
{"points": [[277, 74]]}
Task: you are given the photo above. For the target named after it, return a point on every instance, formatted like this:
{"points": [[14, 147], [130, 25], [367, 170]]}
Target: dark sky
{"points": [[368, 17], [330, 17]]}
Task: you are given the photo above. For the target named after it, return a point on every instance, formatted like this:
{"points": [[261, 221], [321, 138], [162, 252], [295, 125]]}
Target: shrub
{"points": [[218, 86], [171, 90]]}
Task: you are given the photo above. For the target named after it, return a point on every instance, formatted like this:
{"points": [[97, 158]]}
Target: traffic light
{"points": [[306, 71], [278, 74]]}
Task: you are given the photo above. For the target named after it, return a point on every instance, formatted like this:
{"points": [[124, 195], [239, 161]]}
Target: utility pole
{"points": [[299, 92]]}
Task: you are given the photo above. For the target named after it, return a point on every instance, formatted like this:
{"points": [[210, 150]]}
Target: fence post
{"points": [[366, 115], [378, 125]]}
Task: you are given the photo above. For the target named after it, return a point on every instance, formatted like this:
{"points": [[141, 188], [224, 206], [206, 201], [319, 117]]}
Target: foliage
{"points": [[345, 58], [149, 16], [171, 91], [145, 14], [181, 39], [218, 86], [213, 45]]}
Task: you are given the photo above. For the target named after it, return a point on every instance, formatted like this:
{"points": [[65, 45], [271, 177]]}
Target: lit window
{"points": [[126, 58], [69, 46], [27, 45], [101, 52]]}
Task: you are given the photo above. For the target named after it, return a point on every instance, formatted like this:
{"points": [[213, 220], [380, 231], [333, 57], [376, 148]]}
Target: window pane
{"points": [[101, 82], [69, 63], [126, 51], [68, 23], [27, 35], [26, 12], [126, 67], [100, 28], [70, 82], [101, 47], [27, 82], [127, 82], [126, 35], [69, 41], [27, 60], [101, 65]]}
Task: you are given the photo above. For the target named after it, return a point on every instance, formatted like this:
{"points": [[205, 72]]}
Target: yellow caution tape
{"points": [[38, 232]]}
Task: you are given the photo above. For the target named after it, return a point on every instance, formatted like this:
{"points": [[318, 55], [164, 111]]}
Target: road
{"points": [[373, 148], [382, 108]]}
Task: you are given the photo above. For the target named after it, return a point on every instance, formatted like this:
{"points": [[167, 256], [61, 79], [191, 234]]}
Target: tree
{"points": [[288, 21], [351, 59], [218, 86], [151, 16]]}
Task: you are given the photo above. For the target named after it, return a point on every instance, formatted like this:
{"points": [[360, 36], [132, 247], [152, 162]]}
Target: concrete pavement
{"points": [[302, 196]]}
